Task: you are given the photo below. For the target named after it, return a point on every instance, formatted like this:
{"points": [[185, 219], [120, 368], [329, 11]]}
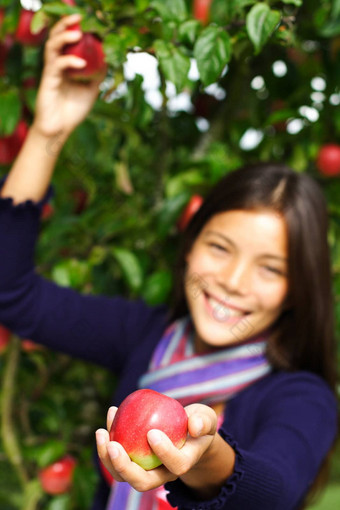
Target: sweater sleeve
{"points": [[295, 428], [98, 329]]}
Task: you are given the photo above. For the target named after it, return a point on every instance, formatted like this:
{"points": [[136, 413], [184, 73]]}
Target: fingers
{"points": [[176, 461], [123, 469], [202, 420], [110, 416], [63, 23], [202, 424], [55, 44], [59, 37]]}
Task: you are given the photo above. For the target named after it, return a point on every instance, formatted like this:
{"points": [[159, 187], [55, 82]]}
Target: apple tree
{"points": [[194, 89]]}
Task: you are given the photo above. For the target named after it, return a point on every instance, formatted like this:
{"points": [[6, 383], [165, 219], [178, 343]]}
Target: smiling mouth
{"points": [[222, 312]]}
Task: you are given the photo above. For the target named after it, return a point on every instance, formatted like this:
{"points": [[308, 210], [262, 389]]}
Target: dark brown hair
{"points": [[305, 331]]}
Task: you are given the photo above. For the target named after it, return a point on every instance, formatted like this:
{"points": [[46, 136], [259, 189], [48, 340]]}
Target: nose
{"points": [[236, 277]]}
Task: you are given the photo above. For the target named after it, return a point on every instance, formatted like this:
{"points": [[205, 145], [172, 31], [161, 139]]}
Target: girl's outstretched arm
{"points": [[62, 104]]}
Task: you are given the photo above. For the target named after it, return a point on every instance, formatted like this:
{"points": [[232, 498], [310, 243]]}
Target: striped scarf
{"points": [[208, 378]]}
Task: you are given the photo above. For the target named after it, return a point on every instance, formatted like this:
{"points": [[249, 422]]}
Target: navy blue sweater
{"points": [[281, 427]]}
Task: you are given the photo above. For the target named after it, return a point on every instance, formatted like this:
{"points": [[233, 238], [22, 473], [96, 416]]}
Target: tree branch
{"points": [[9, 439]]}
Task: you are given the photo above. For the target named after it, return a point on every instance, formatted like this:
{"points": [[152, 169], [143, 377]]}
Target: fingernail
{"points": [[100, 438], [199, 425], [155, 436]]}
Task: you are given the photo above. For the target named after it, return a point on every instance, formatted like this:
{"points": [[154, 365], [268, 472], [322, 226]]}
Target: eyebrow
{"points": [[226, 238]]}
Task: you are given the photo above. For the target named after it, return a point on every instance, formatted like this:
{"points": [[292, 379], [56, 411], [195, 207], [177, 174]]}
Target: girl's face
{"points": [[236, 280]]}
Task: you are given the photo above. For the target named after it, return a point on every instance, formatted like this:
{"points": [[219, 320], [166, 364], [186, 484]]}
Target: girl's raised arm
{"points": [[61, 105]]}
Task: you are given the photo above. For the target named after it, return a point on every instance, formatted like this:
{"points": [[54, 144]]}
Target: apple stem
{"points": [[9, 438]]}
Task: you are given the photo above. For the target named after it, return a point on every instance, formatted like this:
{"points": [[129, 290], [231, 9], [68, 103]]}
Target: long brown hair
{"points": [[305, 331]]}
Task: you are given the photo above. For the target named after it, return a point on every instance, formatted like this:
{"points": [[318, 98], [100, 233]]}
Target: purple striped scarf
{"points": [[178, 372]]}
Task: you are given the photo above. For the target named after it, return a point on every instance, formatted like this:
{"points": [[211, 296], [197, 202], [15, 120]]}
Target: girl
{"points": [[247, 345]]}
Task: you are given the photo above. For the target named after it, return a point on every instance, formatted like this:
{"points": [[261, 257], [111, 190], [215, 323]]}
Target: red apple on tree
{"points": [[47, 211], [328, 160], [24, 34], [192, 207], [142, 411], [5, 46], [201, 10], [80, 197], [10, 145], [30, 346], [57, 478], [5, 336]]}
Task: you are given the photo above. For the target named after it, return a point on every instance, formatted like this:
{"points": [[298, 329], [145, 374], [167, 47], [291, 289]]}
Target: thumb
{"points": [[202, 420]]}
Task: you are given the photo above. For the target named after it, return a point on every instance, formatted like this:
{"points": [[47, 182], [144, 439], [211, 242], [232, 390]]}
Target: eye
{"points": [[274, 270], [218, 247]]}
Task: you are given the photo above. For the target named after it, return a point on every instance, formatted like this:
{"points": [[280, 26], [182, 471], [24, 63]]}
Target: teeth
{"points": [[223, 311]]}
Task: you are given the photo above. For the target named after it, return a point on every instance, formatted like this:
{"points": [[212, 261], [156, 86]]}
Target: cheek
{"points": [[200, 262], [272, 297]]}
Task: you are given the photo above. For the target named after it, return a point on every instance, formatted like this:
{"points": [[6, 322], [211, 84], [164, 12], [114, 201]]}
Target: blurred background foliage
{"points": [[195, 89]]}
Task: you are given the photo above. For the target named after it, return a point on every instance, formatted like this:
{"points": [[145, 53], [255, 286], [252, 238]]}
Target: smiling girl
{"points": [[247, 344]]}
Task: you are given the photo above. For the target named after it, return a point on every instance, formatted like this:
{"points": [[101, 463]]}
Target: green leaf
{"points": [[187, 32], [174, 64], [71, 273], [10, 108], [157, 287], [170, 10], [130, 266], [212, 52], [84, 485], [332, 29], [49, 452], [60, 9], [60, 502], [298, 3], [169, 212], [39, 21], [227, 10], [115, 50], [30, 98], [141, 5], [183, 182], [261, 21]]}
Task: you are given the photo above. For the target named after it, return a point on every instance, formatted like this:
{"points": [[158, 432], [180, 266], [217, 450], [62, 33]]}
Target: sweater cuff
{"points": [[183, 497], [255, 483], [7, 202]]}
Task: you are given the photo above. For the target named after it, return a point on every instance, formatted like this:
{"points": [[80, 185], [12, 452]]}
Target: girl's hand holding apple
{"points": [[63, 103], [202, 444]]}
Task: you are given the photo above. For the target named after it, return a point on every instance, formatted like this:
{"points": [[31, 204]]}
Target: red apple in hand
{"points": [[24, 34], [190, 210], [89, 48], [10, 145], [57, 478], [328, 160], [142, 411]]}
